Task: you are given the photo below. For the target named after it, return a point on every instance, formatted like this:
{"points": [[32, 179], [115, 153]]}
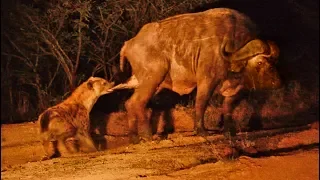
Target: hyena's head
{"points": [[99, 85]]}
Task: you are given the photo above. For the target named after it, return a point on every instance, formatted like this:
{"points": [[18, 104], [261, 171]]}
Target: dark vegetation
{"points": [[50, 47]]}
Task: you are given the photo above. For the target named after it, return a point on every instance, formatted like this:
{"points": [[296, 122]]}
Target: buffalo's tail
{"points": [[122, 57]]}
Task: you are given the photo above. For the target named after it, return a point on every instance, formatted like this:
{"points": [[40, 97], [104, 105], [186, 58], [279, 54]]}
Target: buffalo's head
{"points": [[257, 58], [260, 71]]}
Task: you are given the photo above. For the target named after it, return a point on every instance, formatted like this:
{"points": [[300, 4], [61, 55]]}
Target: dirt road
{"points": [[177, 158]]}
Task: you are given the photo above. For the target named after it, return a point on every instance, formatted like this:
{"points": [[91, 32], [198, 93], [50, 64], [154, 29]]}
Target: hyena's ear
{"points": [[90, 84]]}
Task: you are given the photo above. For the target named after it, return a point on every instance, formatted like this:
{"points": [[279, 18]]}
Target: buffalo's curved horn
{"points": [[274, 49], [251, 49], [273, 52]]}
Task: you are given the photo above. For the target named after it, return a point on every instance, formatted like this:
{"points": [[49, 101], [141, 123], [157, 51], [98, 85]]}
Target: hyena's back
{"points": [[57, 122]]}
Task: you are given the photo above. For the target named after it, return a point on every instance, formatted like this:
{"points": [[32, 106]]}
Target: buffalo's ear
{"points": [[90, 84]]}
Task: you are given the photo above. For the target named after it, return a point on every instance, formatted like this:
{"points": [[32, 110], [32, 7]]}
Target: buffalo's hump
{"points": [[212, 27]]}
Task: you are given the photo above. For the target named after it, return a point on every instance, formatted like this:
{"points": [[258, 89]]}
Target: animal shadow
{"points": [[98, 129], [161, 116]]}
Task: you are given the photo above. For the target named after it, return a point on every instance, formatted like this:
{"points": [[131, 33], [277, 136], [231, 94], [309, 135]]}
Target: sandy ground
{"points": [[180, 157]]}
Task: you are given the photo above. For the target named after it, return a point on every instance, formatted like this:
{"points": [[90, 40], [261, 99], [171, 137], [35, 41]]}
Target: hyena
{"points": [[70, 119]]}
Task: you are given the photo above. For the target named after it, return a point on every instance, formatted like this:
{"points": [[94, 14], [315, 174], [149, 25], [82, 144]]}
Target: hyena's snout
{"points": [[108, 87]]}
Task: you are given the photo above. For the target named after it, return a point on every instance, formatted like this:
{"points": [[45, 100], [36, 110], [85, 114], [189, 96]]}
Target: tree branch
{"points": [[79, 45], [54, 75], [24, 58]]}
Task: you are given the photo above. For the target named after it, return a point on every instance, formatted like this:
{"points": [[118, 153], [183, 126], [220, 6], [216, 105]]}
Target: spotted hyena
{"points": [[70, 119]]}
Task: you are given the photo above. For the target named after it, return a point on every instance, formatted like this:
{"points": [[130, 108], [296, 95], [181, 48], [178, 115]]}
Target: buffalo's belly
{"points": [[179, 80], [180, 86]]}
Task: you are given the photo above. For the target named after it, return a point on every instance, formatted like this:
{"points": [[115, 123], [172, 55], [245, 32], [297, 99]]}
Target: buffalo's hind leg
{"points": [[136, 106]]}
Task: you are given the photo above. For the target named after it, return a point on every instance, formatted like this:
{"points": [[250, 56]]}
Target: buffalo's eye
{"points": [[259, 63], [271, 68]]}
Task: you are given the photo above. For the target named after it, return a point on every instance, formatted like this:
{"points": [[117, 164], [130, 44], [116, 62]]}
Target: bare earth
{"points": [[294, 155]]}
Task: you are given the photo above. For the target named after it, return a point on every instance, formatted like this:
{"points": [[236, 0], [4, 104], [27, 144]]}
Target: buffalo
{"points": [[214, 50]]}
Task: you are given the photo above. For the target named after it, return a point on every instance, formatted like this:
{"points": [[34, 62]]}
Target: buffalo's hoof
{"points": [[250, 150], [159, 137], [230, 131], [201, 132], [145, 137], [55, 155], [230, 153], [134, 139], [45, 158], [227, 135]]}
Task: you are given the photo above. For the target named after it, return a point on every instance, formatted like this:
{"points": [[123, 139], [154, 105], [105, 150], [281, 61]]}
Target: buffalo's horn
{"points": [[274, 51], [251, 49]]}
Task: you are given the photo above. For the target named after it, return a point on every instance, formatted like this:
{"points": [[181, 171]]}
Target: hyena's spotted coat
{"points": [[70, 119]]}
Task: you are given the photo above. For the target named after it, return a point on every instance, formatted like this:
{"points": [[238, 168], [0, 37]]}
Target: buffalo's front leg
{"points": [[204, 92], [229, 124]]}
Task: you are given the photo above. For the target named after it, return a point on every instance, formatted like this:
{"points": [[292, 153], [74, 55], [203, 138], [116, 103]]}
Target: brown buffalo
{"points": [[187, 51]]}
